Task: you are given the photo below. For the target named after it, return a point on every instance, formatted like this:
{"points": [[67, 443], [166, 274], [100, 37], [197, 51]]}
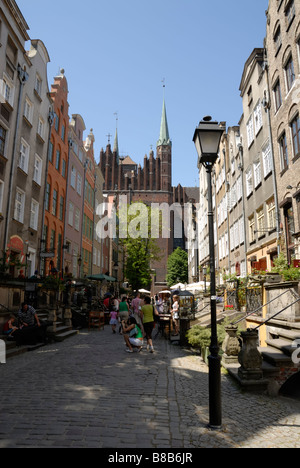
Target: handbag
{"points": [[155, 315]]}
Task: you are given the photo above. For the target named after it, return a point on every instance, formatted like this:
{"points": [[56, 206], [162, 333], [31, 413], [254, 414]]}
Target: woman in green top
{"points": [[133, 335], [123, 309]]}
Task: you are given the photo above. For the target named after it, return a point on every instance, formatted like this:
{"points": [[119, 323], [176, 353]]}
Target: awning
{"points": [[99, 277]]}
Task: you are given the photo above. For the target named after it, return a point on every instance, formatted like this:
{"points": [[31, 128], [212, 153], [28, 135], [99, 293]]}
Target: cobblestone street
{"points": [[87, 392]]}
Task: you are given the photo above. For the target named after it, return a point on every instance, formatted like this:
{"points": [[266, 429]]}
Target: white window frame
{"points": [[250, 131], [28, 110], [257, 173], [79, 184], [24, 156], [19, 205], [271, 209], [257, 117], [73, 177], [41, 128], [249, 182], [77, 219], [8, 90], [71, 214], [34, 214], [38, 84], [267, 159], [37, 170]]}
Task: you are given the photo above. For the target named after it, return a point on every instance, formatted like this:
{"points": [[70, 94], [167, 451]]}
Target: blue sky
{"points": [[117, 52]]}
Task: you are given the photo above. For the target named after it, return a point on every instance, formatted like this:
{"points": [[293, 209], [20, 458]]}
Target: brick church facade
{"points": [[149, 184]]}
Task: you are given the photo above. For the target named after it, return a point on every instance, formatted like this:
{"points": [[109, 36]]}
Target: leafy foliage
{"points": [[177, 268]]}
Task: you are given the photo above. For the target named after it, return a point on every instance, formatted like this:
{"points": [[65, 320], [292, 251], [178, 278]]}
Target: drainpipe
{"points": [[228, 213], [241, 168], [266, 104], [50, 121], [23, 77], [83, 200], [70, 143]]}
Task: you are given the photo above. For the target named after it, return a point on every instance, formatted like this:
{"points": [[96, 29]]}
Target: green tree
{"points": [[139, 248], [177, 268]]}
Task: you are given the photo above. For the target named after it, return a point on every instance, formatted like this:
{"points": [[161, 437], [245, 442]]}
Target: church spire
{"points": [[164, 137], [116, 144]]}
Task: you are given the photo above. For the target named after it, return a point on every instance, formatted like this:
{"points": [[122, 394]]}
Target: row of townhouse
{"points": [[50, 185], [257, 176]]}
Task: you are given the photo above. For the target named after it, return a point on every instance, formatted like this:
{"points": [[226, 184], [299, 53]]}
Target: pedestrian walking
{"points": [[175, 314], [136, 309], [147, 315], [114, 320]]}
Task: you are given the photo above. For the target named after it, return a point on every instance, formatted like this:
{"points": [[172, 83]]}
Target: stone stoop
{"points": [[56, 334], [278, 365]]}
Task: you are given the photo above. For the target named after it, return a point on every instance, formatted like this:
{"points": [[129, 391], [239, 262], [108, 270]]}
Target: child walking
{"points": [[113, 320]]}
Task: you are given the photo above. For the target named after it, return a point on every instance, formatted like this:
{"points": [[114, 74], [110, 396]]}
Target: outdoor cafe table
{"points": [[165, 319]]}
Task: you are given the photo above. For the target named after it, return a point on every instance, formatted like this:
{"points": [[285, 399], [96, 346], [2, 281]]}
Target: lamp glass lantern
{"points": [[207, 139]]}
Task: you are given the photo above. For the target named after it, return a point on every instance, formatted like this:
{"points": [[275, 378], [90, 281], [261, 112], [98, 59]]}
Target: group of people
{"points": [[25, 328], [136, 319]]}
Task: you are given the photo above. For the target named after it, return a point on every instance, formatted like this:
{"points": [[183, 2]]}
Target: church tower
{"points": [[164, 152]]}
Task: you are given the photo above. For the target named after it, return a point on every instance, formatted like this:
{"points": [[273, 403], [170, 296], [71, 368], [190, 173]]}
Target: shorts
{"points": [[148, 328], [113, 322], [136, 342]]}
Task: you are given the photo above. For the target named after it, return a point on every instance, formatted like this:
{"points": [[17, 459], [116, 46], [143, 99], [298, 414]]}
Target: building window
{"points": [[56, 122], [267, 159], [54, 202], [290, 73], [290, 12], [34, 215], [64, 168], [284, 159], [63, 133], [57, 162], [260, 221], [28, 110], [251, 222], [19, 206], [71, 214], [271, 214], [249, 182], [40, 129], [277, 40], [79, 184], [250, 131], [8, 90], [50, 152], [47, 197], [2, 141], [257, 118], [61, 208], [77, 219], [37, 170], [277, 95], [257, 173], [73, 177], [295, 127], [52, 240], [24, 156], [38, 85]]}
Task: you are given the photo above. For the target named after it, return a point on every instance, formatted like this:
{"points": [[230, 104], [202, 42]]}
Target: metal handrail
{"points": [[261, 307], [277, 313]]}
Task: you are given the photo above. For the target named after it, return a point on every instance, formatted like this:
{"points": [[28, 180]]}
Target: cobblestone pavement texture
{"points": [[88, 392]]}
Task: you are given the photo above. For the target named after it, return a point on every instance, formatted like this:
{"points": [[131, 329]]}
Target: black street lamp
{"points": [[207, 139]]}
